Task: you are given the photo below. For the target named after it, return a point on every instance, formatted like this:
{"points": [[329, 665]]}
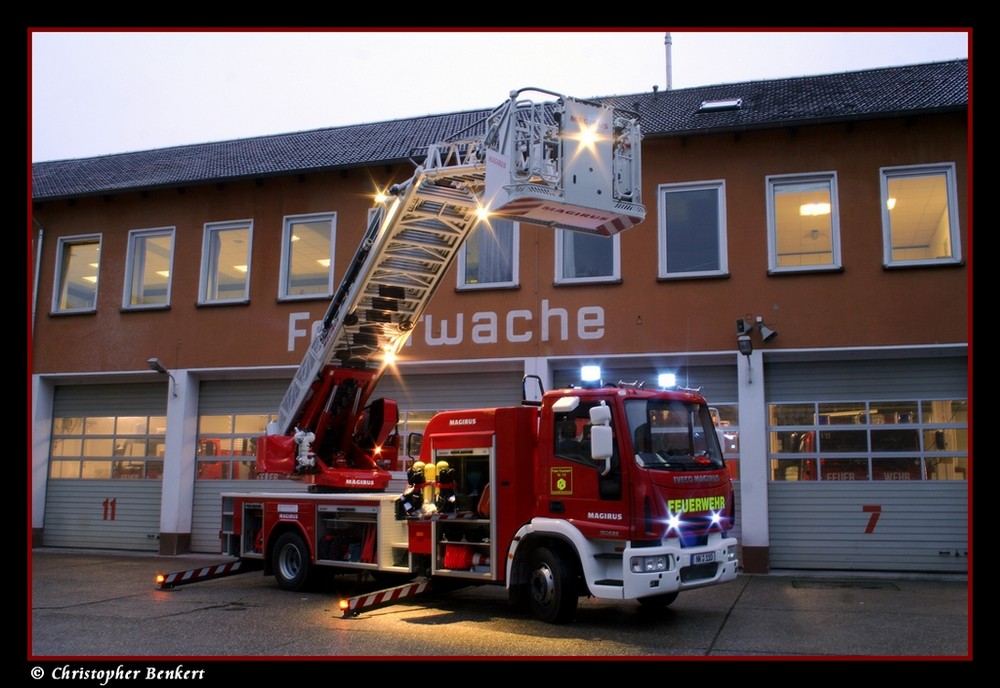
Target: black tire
{"points": [[290, 562], [658, 601], [517, 597], [552, 587]]}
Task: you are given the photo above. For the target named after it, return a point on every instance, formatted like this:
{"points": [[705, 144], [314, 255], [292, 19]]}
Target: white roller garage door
{"points": [[870, 523], [121, 512]]}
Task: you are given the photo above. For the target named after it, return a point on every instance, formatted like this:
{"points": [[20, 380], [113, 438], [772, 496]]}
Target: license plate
{"points": [[705, 558]]}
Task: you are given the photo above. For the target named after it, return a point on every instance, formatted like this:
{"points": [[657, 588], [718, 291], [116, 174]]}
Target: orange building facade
{"points": [[874, 336]]}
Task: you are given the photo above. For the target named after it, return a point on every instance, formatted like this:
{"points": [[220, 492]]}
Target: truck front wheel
{"points": [[290, 562], [552, 592]]}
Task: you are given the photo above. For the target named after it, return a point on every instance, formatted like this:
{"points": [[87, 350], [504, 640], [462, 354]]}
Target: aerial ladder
{"points": [[564, 163]]}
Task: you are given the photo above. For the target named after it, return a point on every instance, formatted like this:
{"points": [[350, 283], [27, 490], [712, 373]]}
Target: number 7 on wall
{"points": [[873, 519]]}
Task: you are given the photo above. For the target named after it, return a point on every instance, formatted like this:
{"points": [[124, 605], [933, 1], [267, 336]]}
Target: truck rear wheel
{"points": [[552, 592], [290, 562]]}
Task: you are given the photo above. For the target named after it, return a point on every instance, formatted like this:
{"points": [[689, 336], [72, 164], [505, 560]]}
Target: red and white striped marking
{"points": [[170, 580], [355, 605]]}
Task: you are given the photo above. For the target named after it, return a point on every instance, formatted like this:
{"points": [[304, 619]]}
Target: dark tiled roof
{"points": [[873, 93]]}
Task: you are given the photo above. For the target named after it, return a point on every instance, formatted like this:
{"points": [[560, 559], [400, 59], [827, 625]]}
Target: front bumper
{"points": [[648, 571]]}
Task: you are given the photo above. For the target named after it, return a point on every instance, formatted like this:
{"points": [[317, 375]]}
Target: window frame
{"points": [[235, 453], [515, 251], [72, 454], [864, 440], [662, 191], [948, 171], [209, 262], [772, 184], [130, 267], [285, 272], [59, 280], [561, 279]]}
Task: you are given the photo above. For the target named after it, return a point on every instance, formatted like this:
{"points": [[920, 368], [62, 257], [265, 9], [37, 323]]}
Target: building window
{"points": [[803, 223], [869, 440], [227, 445], [307, 255], [148, 267], [582, 257], [920, 216], [108, 448], [78, 261], [489, 257], [225, 271], [692, 228]]}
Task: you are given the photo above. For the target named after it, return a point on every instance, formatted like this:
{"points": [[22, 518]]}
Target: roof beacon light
{"points": [[667, 380], [590, 376]]}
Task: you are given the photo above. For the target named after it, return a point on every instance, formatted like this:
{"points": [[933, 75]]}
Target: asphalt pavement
{"points": [[101, 608]]}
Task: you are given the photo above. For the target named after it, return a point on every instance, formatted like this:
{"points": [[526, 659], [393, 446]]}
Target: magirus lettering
{"points": [[604, 515]]}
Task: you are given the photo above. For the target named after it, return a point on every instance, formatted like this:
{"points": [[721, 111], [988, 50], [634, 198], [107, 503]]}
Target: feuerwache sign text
{"points": [[490, 327]]}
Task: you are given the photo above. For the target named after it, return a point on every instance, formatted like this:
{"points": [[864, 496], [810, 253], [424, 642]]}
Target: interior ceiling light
{"points": [[813, 209]]}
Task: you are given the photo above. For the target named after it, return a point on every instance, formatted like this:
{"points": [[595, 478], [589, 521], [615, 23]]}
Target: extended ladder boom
{"points": [[567, 164], [407, 248]]}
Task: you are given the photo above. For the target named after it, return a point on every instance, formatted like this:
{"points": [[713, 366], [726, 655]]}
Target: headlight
{"points": [[650, 564], [731, 553]]}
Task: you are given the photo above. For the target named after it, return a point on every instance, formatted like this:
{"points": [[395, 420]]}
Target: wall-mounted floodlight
{"points": [[154, 364], [745, 347], [744, 328], [744, 344]]}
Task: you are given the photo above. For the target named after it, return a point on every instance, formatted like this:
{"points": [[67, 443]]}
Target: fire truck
{"points": [[617, 491]]}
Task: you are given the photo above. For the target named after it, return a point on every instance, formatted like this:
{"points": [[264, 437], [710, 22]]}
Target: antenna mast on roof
{"points": [[668, 42]]}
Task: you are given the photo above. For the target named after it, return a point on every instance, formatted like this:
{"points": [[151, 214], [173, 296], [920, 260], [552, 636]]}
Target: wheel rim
{"points": [[290, 562], [542, 585]]}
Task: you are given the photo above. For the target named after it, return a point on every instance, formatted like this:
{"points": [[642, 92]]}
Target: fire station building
{"points": [[805, 260]]}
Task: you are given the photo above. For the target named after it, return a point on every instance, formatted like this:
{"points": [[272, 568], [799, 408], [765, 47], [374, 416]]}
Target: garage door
{"points": [[869, 465], [232, 414], [105, 467]]}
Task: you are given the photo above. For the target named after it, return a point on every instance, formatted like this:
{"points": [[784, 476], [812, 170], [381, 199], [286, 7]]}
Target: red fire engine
{"points": [[616, 491]]}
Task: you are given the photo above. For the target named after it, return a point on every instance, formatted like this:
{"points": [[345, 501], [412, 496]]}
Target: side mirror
{"points": [[413, 442], [601, 446]]}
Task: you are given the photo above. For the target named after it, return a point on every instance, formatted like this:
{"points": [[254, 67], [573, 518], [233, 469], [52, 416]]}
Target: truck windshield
{"points": [[673, 435]]}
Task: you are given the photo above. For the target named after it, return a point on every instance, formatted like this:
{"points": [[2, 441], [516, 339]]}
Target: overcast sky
{"points": [[98, 93]]}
